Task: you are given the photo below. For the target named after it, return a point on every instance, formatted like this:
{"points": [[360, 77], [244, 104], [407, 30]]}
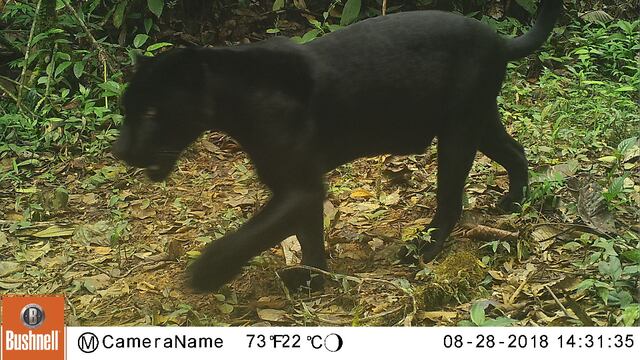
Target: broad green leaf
{"points": [[501, 321], [603, 294], [350, 12], [63, 56], [157, 46], [631, 314], [78, 69], [148, 23], [62, 67], [118, 15], [632, 255], [310, 35], [140, 39], [156, 6], [225, 308], [278, 5], [465, 323], [617, 186], [110, 85], [626, 145], [477, 313], [612, 268]]}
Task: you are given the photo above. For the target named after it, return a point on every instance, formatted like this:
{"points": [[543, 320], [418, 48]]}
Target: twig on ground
{"points": [[111, 275], [555, 298], [406, 320]]}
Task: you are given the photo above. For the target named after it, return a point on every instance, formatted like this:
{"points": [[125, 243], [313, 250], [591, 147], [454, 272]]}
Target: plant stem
{"points": [[102, 54], [26, 55]]}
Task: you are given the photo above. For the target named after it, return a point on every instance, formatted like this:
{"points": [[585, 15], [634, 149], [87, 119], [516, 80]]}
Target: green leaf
{"points": [[63, 56], [278, 5], [148, 23], [477, 313], [626, 88], [632, 255], [310, 35], [631, 314], [61, 67], [466, 323], [612, 268], [501, 321], [616, 187], [350, 12], [225, 308], [78, 69], [118, 15], [620, 297], [156, 6], [111, 86], [140, 39], [157, 46], [626, 145], [603, 293]]}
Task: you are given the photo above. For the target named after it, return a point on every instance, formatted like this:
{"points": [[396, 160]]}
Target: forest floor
{"points": [[523, 266], [118, 245]]}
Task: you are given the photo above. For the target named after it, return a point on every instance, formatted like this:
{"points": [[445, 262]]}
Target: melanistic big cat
{"points": [[386, 85]]}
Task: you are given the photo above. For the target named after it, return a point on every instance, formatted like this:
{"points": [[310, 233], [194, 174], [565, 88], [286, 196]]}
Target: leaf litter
{"points": [[133, 274]]}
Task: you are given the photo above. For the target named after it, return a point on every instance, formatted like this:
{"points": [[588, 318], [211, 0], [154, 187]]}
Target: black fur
{"points": [[384, 85]]}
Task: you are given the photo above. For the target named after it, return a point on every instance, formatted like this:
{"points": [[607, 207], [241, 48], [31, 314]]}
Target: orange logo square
{"points": [[32, 328]]}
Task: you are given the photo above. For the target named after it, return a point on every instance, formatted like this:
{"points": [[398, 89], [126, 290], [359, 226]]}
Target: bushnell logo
{"points": [[32, 316]]}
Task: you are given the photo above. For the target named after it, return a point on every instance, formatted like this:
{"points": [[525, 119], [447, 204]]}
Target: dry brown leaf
{"points": [[140, 211], [102, 250], [390, 199], [292, 250], [545, 232], [375, 244], [272, 315], [8, 268], [361, 194], [54, 231], [350, 251], [437, 315], [89, 198]]}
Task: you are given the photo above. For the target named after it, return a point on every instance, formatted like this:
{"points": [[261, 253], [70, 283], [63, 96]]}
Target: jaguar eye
{"points": [[150, 114]]}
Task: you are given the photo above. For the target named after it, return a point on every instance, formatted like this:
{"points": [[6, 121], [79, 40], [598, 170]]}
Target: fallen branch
{"points": [[482, 232]]}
